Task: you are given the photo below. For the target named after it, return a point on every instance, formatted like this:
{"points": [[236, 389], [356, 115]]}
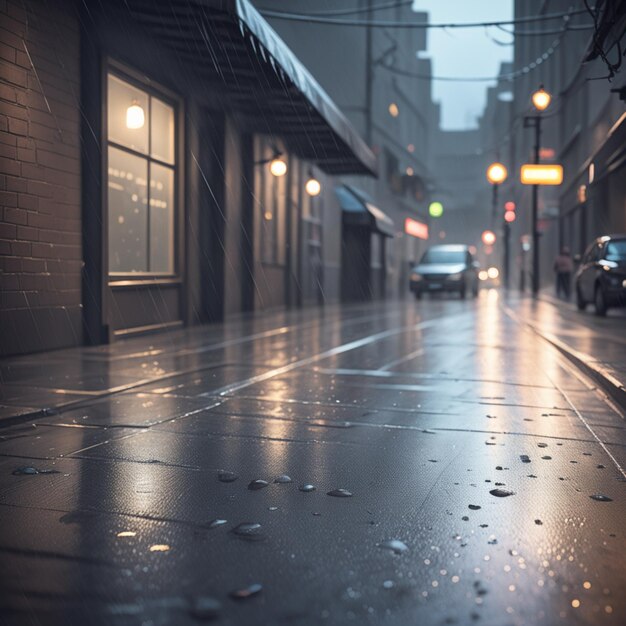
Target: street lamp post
{"points": [[541, 100], [496, 175]]}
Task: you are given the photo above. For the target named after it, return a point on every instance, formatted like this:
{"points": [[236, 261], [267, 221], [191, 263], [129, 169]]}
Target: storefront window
{"points": [[141, 174]]}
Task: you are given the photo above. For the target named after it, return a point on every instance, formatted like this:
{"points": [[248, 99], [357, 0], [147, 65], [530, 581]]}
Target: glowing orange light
{"points": [[488, 238], [496, 173], [532, 174], [541, 99], [509, 216], [509, 206], [415, 228]]}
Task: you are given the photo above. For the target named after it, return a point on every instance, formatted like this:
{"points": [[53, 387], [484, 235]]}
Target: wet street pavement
{"points": [[394, 463]]}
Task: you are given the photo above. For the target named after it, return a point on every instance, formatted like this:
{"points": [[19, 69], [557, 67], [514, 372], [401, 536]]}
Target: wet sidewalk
{"points": [[595, 344], [392, 463]]}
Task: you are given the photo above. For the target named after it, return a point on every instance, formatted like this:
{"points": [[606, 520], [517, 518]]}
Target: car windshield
{"points": [[616, 251], [435, 255]]}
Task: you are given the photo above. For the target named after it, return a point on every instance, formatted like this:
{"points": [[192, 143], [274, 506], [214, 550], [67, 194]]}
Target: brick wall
{"points": [[40, 209]]}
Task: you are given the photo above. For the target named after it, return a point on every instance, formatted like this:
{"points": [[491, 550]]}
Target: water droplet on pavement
{"points": [[524, 458], [255, 485], [246, 528], [227, 477], [501, 493], [473, 507], [246, 592], [29, 471], [204, 608], [340, 493], [282, 479], [216, 522], [159, 547], [601, 497], [394, 545], [307, 488]]}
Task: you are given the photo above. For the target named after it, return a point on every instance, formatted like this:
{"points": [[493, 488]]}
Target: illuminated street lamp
{"points": [[541, 101], [488, 237], [496, 175]]}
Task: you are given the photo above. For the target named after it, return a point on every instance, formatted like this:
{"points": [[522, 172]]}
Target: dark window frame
{"points": [[153, 89]]}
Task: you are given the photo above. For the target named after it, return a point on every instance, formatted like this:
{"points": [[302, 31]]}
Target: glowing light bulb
{"points": [[496, 173], [313, 187], [541, 99], [278, 167], [135, 117]]}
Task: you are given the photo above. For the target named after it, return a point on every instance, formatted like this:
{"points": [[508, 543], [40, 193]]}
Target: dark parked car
{"points": [[445, 268], [601, 276]]}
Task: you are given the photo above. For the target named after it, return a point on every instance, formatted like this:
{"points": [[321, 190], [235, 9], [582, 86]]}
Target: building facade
{"points": [[155, 170], [375, 76], [584, 128]]}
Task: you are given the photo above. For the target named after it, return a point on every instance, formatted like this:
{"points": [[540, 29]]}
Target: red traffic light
{"points": [[509, 206], [509, 216]]}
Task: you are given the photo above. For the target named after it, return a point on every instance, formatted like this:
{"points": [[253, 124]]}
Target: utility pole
{"points": [[541, 100], [369, 74], [507, 252], [535, 210]]}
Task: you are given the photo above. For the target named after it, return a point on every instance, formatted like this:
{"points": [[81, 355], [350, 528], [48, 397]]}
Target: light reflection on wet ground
{"points": [[446, 465]]}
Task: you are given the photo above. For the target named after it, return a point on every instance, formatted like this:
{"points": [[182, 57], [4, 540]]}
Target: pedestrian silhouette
{"points": [[563, 268]]}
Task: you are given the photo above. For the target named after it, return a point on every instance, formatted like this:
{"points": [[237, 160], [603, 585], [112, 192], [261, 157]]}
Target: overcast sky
{"points": [[466, 52]]}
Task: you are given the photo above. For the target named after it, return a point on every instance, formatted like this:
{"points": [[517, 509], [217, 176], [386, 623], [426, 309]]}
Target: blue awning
{"points": [[359, 209]]}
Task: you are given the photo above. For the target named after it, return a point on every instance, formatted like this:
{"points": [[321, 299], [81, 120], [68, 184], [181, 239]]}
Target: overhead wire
{"points": [[508, 76], [311, 18], [353, 11]]}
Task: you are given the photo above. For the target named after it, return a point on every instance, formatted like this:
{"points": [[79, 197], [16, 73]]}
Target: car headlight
{"points": [[456, 276], [415, 277]]}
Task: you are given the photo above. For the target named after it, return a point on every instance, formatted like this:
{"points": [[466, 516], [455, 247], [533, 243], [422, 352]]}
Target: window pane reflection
{"points": [[128, 226], [161, 219], [125, 127], [162, 131]]}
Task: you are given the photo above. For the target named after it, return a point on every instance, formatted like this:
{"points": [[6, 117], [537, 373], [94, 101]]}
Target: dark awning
{"points": [[359, 209], [231, 45]]}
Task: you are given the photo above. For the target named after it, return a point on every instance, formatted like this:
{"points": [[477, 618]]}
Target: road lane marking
{"points": [[407, 357], [346, 347]]}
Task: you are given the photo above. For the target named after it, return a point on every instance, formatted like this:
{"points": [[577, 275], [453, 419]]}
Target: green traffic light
{"points": [[435, 209]]}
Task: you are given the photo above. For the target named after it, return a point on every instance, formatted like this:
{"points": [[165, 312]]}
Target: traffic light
{"points": [[509, 216]]}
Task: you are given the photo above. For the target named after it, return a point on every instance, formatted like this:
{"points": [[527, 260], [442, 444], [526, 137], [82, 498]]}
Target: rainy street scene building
{"points": [[312, 312]]}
